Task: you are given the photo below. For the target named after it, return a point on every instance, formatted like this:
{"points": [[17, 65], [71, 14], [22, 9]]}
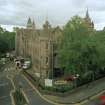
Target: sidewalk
{"points": [[80, 94]]}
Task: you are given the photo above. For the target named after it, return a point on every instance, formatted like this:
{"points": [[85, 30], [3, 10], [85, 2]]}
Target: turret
{"points": [[88, 20], [33, 25], [92, 24], [29, 23], [87, 17], [87, 14], [47, 25]]}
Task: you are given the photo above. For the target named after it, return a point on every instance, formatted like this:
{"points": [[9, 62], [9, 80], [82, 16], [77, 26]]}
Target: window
{"points": [[46, 60], [46, 45]]}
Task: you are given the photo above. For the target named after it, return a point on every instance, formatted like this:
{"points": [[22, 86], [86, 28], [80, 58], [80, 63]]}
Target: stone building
{"points": [[38, 45]]}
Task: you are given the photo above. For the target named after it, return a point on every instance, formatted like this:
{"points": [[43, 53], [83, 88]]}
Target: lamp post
{"points": [[75, 79]]}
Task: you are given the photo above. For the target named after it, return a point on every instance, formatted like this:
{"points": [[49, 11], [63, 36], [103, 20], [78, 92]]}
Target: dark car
{"points": [[69, 78]]}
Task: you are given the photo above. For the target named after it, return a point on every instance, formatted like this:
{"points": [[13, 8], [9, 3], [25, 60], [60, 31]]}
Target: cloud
{"points": [[16, 12]]}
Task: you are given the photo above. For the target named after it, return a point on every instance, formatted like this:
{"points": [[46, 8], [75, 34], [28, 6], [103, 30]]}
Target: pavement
{"points": [[83, 96]]}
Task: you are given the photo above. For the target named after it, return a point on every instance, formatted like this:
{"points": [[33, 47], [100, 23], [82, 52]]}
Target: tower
{"points": [[87, 17], [29, 23], [47, 25], [88, 20], [87, 14], [33, 25]]}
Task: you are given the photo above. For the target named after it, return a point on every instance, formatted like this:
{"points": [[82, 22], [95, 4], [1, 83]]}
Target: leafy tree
{"points": [[75, 51], [99, 40], [7, 40]]}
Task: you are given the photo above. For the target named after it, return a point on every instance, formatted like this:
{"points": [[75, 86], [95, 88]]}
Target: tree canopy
{"points": [[81, 49], [7, 40]]}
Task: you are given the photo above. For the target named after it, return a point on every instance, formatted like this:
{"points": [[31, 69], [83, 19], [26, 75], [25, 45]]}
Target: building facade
{"points": [[38, 45]]}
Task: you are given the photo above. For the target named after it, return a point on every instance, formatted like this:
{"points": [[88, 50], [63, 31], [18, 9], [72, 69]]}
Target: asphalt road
{"points": [[5, 88], [19, 81], [95, 101], [5, 83], [33, 97]]}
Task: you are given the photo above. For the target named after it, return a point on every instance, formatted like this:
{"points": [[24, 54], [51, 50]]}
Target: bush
{"points": [[62, 88], [19, 98]]}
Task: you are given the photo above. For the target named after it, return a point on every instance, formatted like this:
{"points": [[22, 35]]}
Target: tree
{"points": [[75, 50], [7, 40], [99, 40]]}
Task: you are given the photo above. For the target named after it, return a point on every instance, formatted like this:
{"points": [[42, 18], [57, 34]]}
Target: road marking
{"points": [[11, 82], [12, 98], [77, 104], [3, 97], [83, 102], [24, 94], [49, 101], [12, 91], [92, 97], [3, 84]]}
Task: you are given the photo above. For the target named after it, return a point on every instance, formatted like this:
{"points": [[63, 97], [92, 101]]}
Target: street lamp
{"points": [[75, 79]]}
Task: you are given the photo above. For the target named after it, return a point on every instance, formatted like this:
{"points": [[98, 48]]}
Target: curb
{"points": [[49, 101], [25, 96], [12, 91], [81, 102], [12, 98]]}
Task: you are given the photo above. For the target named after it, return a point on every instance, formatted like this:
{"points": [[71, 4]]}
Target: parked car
{"points": [[25, 67], [26, 64], [69, 78], [15, 60]]}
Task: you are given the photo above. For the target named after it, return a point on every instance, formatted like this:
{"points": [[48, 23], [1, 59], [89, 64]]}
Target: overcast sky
{"points": [[16, 12]]}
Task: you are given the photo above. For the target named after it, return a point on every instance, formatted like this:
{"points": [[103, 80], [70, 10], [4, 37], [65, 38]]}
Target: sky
{"points": [[58, 12]]}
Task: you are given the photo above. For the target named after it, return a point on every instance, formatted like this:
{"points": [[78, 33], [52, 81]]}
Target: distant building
{"points": [[88, 21]]}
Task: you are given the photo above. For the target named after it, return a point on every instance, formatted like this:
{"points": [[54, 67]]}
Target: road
{"points": [[33, 97], [19, 81], [5, 85], [5, 89], [95, 101]]}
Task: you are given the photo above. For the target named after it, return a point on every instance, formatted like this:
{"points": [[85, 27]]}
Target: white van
{"points": [[26, 64]]}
